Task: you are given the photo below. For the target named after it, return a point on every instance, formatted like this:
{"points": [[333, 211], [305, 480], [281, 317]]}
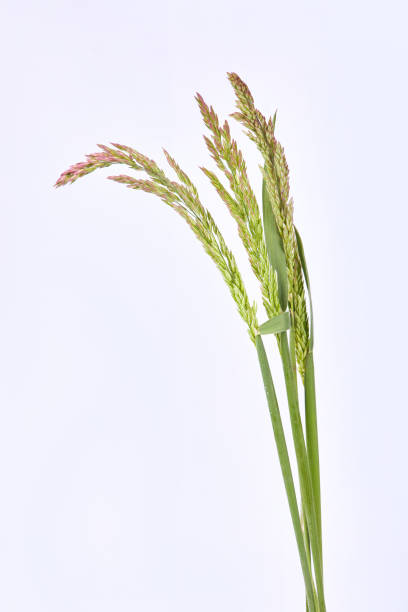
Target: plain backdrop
{"points": [[137, 463]]}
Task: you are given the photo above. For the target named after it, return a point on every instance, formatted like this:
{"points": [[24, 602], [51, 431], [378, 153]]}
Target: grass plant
{"points": [[277, 260]]}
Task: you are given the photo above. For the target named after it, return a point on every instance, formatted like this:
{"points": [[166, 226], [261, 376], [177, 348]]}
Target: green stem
{"points": [[312, 440], [286, 470], [307, 544], [305, 478], [292, 345]]}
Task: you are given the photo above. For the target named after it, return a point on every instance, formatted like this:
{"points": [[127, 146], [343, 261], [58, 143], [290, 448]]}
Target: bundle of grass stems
{"points": [[277, 259]]}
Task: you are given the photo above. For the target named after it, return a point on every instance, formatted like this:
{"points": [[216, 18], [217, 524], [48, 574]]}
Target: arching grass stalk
{"points": [[277, 260]]}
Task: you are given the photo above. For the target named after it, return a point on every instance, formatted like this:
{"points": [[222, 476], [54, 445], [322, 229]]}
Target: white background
{"points": [[137, 463]]}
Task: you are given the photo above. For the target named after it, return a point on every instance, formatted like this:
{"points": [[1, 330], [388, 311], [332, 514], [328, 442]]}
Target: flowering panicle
{"points": [[183, 198], [276, 175], [241, 203], [103, 159], [240, 199]]}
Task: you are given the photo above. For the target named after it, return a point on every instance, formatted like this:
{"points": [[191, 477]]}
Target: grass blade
{"points": [[276, 325], [312, 439], [274, 247]]}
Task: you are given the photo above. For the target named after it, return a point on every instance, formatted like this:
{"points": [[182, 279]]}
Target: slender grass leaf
{"points": [[276, 325], [274, 247]]}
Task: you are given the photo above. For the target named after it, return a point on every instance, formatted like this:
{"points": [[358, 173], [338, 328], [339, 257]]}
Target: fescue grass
{"points": [[277, 259]]}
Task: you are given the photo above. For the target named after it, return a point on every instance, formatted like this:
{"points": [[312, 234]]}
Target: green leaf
{"points": [[276, 325], [306, 275], [274, 247]]}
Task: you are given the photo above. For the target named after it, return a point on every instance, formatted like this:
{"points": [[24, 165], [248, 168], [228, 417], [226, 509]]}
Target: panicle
{"points": [[97, 160], [239, 197], [184, 199], [276, 176], [240, 200]]}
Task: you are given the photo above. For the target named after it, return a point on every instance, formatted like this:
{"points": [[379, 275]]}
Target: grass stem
{"points": [[286, 471], [305, 478], [312, 440]]}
